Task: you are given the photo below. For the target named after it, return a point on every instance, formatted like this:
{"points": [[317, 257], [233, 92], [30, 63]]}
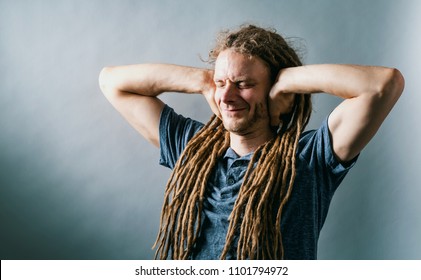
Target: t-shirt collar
{"points": [[233, 155]]}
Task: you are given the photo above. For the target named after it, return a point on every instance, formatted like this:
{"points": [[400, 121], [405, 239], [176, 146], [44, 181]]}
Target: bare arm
{"points": [[133, 91], [369, 92]]}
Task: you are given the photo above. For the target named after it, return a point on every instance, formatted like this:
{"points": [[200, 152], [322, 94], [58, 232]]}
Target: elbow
{"points": [[398, 81], [104, 79], [393, 84], [106, 82]]}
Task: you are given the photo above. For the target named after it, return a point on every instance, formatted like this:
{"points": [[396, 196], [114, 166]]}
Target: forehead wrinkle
{"points": [[237, 67]]}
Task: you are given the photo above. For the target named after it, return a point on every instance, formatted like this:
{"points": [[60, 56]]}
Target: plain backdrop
{"points": [[77, 182]]}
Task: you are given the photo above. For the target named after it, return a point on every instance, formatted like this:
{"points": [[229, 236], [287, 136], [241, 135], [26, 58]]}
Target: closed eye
{"points": [[244, 85], [219, 84], [239, 84]]}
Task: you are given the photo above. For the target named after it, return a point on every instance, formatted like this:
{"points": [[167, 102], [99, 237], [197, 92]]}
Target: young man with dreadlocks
{"points": [[251, 184]]}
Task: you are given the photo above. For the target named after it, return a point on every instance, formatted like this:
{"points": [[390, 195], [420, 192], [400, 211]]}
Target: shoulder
{"points": [[313, 138], [315, 147], [171, 121], [175, 131]]}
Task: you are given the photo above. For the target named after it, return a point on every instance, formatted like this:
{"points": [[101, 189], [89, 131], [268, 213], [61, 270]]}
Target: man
{"points": [[251, 184]]}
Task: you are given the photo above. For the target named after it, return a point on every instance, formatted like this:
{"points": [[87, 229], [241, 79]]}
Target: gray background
{"points": [[77, 182]]}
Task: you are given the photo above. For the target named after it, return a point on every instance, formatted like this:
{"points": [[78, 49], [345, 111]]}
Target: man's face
{"points": [[242, 87]]}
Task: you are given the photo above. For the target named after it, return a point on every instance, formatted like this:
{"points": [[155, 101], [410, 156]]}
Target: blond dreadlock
{"points": [[267, 184]]}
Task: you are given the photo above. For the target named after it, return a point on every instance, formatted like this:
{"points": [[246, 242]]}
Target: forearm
{"points": [[346, 81], [154, 79]]}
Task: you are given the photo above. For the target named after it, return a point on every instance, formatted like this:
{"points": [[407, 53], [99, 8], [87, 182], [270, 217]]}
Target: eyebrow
{"points": [[236, 80]]}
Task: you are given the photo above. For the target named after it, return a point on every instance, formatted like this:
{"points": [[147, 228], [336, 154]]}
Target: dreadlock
{"points": [[255, 221]]}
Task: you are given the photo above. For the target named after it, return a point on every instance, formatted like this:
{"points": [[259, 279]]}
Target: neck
{"points": [[248, 143]]}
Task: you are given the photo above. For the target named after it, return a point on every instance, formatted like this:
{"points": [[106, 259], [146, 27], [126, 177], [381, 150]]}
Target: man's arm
{"points": [[133, 91], [369, 92]]}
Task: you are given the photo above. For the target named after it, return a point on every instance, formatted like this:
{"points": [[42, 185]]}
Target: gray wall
{"points": [[78, 183]]}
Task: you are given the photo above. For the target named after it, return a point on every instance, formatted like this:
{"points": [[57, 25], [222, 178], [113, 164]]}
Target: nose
{"points": [[228, 92]]}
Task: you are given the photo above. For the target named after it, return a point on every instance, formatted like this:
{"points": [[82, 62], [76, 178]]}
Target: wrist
{"points": [[207, 83], [285, 80]]}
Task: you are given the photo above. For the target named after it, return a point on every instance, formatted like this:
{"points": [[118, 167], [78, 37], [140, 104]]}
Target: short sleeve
{"points": [[317, 150], [175, 131]]}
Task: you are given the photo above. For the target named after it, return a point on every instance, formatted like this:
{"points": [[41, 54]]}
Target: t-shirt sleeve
{"points": [[317, 151], [175, 131]]}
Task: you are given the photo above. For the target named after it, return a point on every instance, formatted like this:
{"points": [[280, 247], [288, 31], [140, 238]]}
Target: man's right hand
{"points": [[209, 92]]}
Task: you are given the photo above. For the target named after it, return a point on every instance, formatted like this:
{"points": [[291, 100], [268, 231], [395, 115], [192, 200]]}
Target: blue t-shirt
{"points": [[319, 174]]}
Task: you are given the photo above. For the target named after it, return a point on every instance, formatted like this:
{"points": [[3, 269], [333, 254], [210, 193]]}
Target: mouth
{"points": [[233, 112], [233, 109]]}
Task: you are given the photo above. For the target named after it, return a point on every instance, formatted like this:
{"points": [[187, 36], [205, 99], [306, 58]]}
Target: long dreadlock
{"points": [[268, 182]]}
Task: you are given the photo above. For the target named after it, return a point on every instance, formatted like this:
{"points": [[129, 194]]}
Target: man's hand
{"points": [[280, 102], [209, 92]]}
